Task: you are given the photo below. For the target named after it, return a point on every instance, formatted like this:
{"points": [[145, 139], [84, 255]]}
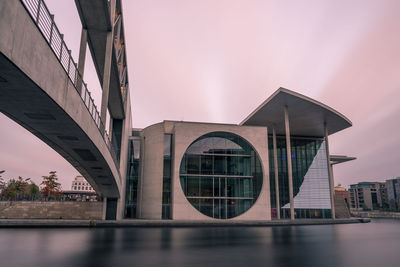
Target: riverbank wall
{"points": [[376, 214], [9, 223], [71, 210]]}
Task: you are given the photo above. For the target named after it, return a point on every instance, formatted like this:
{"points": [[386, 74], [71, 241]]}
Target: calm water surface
{"points": [[373, 244]]}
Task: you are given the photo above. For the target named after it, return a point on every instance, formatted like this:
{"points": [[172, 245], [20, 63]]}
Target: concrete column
{"points": [[110, 127], [289, 162], [278, 208], [330, 173], [82, 57], [107, 68], [103, 216]]}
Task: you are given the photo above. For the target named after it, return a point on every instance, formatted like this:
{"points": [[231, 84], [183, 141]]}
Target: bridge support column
{"points": [[107, 68], [82, 58], [110, 208]]}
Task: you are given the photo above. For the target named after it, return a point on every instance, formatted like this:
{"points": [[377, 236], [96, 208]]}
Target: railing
{"points": [[45, 23]]}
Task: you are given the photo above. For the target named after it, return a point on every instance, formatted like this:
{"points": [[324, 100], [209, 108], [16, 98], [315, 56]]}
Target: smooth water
{"points": [[370, 244]]}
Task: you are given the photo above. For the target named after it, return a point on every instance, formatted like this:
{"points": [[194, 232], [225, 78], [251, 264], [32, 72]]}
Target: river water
{"points": [[369, 244]]}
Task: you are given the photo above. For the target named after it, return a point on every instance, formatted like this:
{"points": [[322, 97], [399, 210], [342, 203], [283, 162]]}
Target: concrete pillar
{"points": [[103, 216], [82, 57], [278, 208], [107, 68], [110, 127], [330, 173], [289, 162]]}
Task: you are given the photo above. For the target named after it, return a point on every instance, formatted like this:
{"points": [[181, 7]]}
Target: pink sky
{"points": [[216, 61]]}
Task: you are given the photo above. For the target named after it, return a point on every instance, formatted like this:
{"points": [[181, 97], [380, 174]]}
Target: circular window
{"points": [[221, 175]]}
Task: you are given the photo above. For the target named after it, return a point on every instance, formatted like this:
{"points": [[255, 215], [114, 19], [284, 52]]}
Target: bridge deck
{"points": [[37, 93]]}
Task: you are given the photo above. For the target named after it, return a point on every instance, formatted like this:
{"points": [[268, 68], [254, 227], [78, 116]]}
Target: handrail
{"points": [[44, 20]]}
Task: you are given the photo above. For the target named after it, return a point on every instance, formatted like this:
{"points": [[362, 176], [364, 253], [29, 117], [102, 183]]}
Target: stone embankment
{"points": [[376, 214], [51, 210]]}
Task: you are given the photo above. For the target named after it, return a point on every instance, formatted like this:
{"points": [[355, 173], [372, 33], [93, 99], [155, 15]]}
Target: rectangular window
{"points": [[132, 178], [166, 199]]}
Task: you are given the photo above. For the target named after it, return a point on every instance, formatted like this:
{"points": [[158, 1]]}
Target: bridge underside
{"points": [[28, 105]]}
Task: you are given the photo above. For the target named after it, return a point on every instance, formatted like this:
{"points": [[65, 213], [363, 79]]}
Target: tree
{"points": [[51, 188], [2, 183], [15, 189], [19, 189], [32, 191]]}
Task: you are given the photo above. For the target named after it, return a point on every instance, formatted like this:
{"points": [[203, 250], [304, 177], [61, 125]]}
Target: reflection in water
{"points": [[373, 244]]}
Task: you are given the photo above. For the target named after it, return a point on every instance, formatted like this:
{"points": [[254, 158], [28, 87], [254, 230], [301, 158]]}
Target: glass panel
{"points": [[193, 186], [206, 164], [233, 187], [220, 165], [193, 164], [217, 208], [132, 178], [206, 187], [216, 187], [222, 185], [206, 206]]}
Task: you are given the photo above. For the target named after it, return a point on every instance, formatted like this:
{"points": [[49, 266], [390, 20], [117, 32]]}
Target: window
{"points": [[221, 175]]}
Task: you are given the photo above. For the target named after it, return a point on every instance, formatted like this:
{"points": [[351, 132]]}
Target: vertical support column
{"points": [[110, 128], [82, 58], [104, 208], [278, 208], [289, 162], [330, 173], [107, 67]]}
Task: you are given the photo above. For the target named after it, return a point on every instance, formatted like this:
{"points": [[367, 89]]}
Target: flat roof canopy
{"points": [[307, 116], [336, 159]]}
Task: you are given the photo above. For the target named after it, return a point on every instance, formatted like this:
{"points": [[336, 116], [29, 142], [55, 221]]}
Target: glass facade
{"points": [[132, 178], [221, 175], [310, 178], [166, 194]]}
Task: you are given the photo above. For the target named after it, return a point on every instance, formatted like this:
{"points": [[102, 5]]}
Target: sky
{"points": [[217, 60]]}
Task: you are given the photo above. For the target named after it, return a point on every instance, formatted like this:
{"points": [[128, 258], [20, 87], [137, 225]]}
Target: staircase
{"points": [[341, 209]]}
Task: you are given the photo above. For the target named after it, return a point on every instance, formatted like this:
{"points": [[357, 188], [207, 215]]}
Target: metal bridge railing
{"points": [[44, 20]]}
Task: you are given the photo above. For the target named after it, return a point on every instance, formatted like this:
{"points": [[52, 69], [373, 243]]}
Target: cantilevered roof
{"points": [[307, 116], [336, 159]]}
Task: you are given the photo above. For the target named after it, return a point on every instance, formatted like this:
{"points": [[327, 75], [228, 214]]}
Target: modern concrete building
{"points": [[206, 171], [367, 195], [274, 164]]}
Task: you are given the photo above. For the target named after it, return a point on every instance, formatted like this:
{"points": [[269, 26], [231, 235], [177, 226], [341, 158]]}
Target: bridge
{"points": [[42, 89]]}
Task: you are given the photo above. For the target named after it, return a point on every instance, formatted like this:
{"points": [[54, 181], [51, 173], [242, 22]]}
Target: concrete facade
{"points": [[185, 133], [150, 186]]}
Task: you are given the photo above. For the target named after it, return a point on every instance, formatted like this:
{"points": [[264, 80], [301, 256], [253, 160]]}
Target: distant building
{"points": [[393, 192], [341, 191], [367, 195], [80, 184], [81, 190]]}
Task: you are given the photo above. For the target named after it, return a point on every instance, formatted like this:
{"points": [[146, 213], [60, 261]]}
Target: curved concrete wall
{"points": [[151, 181]]}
